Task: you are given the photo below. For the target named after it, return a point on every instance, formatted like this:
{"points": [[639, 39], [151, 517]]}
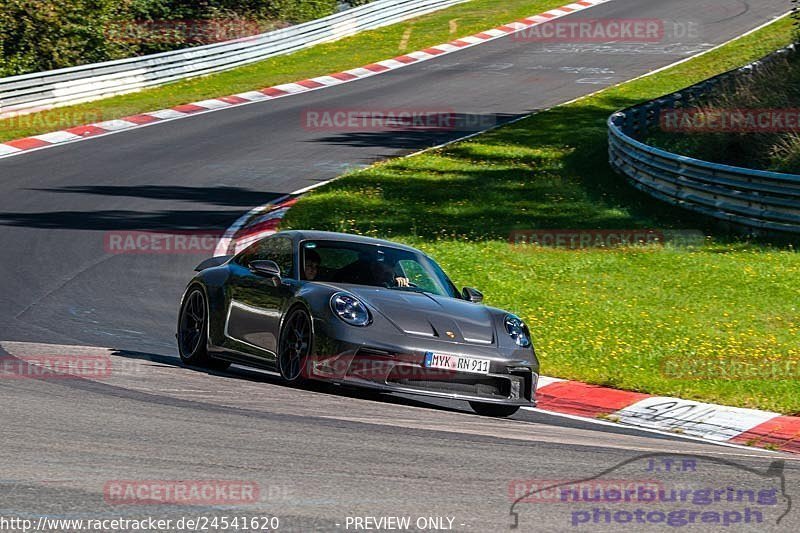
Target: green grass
{"points": [[610, 317], [368, 47], [776, 86]]}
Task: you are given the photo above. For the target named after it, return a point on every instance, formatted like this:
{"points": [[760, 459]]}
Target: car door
{"points": [[256, 302]]}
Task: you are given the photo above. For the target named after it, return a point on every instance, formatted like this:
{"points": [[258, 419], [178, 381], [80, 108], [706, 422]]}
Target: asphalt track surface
{"points": [[318, 455]]}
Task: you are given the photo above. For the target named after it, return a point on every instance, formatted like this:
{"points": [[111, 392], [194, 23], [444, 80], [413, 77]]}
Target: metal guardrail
{"points": [[44, 90], [763, 202]]}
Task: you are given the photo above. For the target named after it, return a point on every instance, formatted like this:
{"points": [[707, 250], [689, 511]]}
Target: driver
{"points": [[383, 274]]}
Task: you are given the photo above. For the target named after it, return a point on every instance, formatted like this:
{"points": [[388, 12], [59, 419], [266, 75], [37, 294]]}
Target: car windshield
{"points": [[373, 265]]}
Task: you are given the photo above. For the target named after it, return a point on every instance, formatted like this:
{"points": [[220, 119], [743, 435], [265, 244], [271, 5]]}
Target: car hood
{"points": [[428, 315]]}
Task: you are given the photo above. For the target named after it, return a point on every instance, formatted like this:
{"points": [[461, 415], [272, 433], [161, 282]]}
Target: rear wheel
{"points": [[493, 409], [193, 332], [295, 345]]}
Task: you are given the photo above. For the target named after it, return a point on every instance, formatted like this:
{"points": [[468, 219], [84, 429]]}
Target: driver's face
{"points": [[311, 270], [382, 270]]}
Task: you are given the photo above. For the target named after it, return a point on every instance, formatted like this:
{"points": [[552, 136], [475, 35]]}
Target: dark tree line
{"points": [[796, 16], [37, 35]]}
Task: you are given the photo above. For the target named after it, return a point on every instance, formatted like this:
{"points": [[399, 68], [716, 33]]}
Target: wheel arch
{"points": [[193, 285], [212, 312], [297, 303]]}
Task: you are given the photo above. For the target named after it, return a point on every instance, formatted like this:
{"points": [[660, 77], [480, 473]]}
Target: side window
{"points": [[278, 249], [248, 254], [321, 262]]}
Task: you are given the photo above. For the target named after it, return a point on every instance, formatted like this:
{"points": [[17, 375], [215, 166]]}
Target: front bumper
{"points": [[394, 367]]}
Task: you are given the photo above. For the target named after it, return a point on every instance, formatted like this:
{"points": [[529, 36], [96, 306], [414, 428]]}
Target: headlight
{"points": [[518, 330], [350, 309]]}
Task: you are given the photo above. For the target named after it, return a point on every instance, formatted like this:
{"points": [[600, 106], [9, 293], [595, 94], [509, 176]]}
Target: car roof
{"points": [[334, 236]]}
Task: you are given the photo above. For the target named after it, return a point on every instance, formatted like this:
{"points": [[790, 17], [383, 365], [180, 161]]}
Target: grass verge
{"points": [[616, 317], [775, 87], [362, 49]]}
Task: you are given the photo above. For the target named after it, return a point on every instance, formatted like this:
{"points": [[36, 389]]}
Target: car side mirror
{"points": [[472, 295], [266, 268]]}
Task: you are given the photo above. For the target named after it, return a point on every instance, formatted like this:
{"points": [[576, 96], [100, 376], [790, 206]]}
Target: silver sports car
{"points": [[354, 310]]}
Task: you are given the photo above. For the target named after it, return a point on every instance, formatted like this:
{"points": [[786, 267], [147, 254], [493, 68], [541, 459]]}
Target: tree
{"points": [[796, 16], [38, 35]]}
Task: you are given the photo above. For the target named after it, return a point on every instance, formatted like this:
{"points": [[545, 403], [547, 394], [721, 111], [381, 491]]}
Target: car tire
{"points": [[295, 345], [193, 332], [493, 409]]}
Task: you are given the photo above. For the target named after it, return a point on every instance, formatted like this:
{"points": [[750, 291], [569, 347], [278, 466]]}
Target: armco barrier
{"points": [[758, 201], [44, 90]]}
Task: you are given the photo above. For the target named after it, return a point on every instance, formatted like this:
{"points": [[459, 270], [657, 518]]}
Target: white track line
{"points": [[119, 125]]}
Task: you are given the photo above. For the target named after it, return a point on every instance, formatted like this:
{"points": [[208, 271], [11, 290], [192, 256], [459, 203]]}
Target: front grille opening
{"points": [[481, 386], [375, 352], [526, 376]]}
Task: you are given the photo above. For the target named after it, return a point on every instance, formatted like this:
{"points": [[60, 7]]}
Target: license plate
{"points": [[457, 363]]}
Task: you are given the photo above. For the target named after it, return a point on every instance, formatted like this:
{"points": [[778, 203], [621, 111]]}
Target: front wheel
{"points": [[193, 332], [295, 346], [493, 409]]}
